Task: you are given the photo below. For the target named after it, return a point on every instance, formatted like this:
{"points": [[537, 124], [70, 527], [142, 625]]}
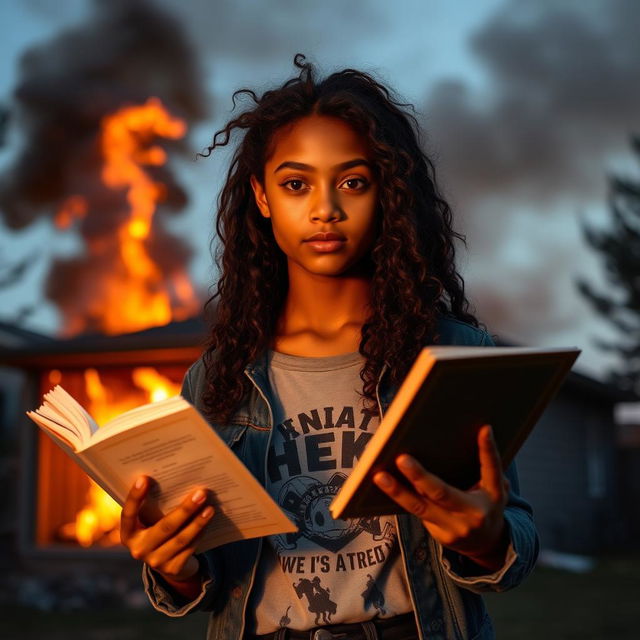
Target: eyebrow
{"points": [[301, 166]]}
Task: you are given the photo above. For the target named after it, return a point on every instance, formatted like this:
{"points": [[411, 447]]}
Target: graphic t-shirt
{"points": [[329, 571]]}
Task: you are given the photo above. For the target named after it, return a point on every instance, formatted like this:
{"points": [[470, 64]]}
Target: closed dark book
{"points": [[448, 394]]}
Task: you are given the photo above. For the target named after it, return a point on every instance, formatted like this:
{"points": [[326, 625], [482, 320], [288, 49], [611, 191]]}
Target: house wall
{"points": [[629, 484], [567, 471], [11, 387]]}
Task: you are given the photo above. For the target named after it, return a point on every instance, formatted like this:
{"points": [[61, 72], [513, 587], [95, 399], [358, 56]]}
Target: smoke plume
{"points": [[560, 98], [126, 52]]}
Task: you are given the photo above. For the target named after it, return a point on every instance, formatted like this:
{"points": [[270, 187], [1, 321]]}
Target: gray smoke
{"points": [[563, 90], [249, 33], [561, 96], [127, 51]]}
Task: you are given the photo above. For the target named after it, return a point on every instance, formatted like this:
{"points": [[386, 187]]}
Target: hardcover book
{"points": [[448, 394]]}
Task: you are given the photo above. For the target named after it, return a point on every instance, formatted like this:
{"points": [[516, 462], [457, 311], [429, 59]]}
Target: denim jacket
{"points": [[445, 587]]}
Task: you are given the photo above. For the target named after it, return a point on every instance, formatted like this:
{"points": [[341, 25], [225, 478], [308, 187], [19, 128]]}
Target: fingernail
{"points": [[407, 462], [198, 496], [140, 482], [384, 479], [207, 511]]}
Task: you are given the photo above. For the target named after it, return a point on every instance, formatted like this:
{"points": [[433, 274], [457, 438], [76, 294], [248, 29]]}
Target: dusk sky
{"points": [[527, 107]]}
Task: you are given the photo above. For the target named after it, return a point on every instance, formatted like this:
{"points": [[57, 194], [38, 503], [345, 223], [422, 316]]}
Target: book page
{"points": [[55, 425], [68, 406], [143, 413], [138, 415], [181, 452]]}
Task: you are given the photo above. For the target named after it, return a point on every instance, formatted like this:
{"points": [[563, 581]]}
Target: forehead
{"points": [[322, 137]]}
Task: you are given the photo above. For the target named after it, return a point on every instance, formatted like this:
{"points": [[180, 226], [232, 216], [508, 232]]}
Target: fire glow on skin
{"points": [[319, 180]]}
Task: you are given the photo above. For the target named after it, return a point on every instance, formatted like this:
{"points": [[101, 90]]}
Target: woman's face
{"points": [[318, 180]]}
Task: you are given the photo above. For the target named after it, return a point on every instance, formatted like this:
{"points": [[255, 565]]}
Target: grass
{"points": [[557, 605], [122, 624], [551, 604]]}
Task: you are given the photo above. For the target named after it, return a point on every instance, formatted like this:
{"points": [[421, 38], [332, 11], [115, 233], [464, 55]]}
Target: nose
{"points": [[326, 205]]}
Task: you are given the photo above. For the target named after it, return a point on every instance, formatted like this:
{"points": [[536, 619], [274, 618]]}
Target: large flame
{"points": [[98, 522], [134, 294]]}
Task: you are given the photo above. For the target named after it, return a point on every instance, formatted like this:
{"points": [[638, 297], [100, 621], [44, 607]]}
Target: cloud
{"points": [[528, 149], [561, 93], [253, 32]]}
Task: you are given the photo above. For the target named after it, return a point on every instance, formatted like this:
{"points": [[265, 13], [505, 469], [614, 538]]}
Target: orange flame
{"points": [[158, 387], [136, 296], [124, 158], [98, 522], [134, 293]]}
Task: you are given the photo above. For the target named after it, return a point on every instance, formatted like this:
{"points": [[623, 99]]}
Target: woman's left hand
{"points": [[469, 522]]}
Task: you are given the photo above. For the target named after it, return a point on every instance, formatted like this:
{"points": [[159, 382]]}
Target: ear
{"points": [[260, 196]]}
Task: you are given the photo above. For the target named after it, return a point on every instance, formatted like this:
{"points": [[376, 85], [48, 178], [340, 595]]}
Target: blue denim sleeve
{"points": [[521, 555], [167, 601]]}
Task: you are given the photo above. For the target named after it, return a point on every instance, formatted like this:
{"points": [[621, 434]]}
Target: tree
{"points": [[619, 247]]}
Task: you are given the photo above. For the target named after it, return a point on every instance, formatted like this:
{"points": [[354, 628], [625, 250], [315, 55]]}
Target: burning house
{"points": [[62, 512], [104, 109]]}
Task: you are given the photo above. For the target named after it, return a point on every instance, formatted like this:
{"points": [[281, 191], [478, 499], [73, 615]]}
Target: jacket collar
{"points": [[258, 371], [446, 325]]}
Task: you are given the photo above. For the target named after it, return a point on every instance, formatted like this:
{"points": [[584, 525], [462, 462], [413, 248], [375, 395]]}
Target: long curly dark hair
{"points": [[413, 271]]}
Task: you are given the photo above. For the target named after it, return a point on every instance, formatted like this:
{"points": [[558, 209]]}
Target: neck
{"points": [[325, 305]]}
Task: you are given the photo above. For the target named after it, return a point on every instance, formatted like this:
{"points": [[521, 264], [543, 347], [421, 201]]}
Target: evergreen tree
{"points": [[619, 247]]}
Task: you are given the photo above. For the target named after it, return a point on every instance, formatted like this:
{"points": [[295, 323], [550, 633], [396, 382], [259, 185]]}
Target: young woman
{"points": [[337, 267]]}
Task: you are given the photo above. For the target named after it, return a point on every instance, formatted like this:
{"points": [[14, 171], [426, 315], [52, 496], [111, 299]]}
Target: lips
{"points": [[326, 246], [325, 236]]}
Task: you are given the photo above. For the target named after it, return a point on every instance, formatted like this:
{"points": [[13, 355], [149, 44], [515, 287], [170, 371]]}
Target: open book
{"points": [[172, 443], [448, 394]]}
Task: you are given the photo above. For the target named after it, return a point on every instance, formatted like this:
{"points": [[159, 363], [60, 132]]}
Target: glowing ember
{"points": [[98, 522], [72, 208]]}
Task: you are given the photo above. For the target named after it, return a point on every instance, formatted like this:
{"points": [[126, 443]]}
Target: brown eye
{"points": [[352, 180], [292, 182]]}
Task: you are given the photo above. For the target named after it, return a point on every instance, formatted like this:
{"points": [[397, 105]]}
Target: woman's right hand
{"points": [[168, 545]]}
